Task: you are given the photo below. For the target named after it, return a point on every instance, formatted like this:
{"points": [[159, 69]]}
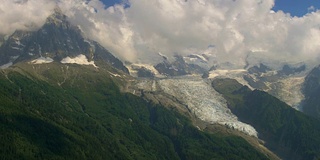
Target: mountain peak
{"points": [[56, 40], [57, 17]]}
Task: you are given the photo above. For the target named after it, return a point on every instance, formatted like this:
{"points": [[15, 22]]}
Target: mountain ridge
{"points": [[56, 39]]}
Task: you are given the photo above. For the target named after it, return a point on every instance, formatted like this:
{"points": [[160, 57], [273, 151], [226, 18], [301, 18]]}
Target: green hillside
{"points": [[55, 111], [289, 133]]}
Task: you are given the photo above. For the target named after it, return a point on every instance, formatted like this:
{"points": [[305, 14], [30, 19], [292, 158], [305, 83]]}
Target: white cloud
{"points": [[23, 14], [311, 9], [236, 28]]}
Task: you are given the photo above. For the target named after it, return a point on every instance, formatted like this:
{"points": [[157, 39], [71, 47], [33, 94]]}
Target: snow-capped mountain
{"points": [[285, 84], [56, 40], [181, 65], [183, 81]]}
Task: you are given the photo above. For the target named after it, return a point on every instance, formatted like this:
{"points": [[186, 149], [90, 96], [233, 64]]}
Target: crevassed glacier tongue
{"points": [[206, 103]]}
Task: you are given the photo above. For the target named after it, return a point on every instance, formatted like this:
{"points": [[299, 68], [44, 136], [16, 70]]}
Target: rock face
{"points": [[1, 39], [145, 72], [56, 39], [311, 90], [289, 70], [178, 68], [259, 69]]}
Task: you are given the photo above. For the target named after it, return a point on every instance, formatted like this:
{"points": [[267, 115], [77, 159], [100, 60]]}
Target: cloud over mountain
{"points": [[227, 30], [23, 14]]}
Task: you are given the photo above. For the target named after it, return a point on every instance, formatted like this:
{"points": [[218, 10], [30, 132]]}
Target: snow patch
{"points": [[90, 43], [115, 75], [80, 59], [200, 57], [42, 60], [226, 73], [16, 48], [162, 55], [5, 66]]}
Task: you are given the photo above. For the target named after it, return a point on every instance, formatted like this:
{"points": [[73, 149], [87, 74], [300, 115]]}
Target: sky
{"points": [[297, 7], [231, 32], [294, 7]]}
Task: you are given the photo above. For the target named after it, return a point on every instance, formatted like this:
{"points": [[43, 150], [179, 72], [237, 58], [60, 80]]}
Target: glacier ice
{"points": [[201, 99], [288, 89]]}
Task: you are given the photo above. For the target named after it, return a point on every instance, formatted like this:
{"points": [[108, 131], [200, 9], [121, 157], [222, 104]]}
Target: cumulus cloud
{"points": [[311, 9], [23, 14], [229, 31]]}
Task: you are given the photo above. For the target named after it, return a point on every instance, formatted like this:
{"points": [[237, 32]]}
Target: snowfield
{"points": [[6, 65], [42, 60], [80, 59], [201, 99]]}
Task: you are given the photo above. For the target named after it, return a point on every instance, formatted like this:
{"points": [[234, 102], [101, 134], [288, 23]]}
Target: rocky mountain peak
{"points": [[57, 18], [56, 39]]}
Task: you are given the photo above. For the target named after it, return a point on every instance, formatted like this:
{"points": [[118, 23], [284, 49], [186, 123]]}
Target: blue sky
{"points": [[294, 7], [110, 2]]}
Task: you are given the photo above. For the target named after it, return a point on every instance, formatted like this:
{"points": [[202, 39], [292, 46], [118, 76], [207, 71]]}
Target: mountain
{"points": [[285, 83], [178, 68], [64, 96], [289, 133], [70, 111], [311, 90], [56, 40]]}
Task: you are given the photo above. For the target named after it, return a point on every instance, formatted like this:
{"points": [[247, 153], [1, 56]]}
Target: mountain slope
{"points": [[311, 90], [57, 111], [287, 132], [56, 39]]}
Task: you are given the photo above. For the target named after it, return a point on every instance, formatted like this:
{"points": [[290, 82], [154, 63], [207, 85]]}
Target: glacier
{"points": [[200, 98], [288, 89]]}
